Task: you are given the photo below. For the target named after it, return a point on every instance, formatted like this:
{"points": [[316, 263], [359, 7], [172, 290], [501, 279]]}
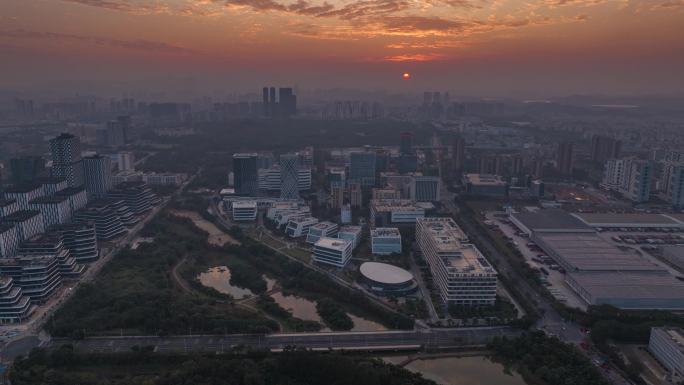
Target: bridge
{"points": [[429, 339]]}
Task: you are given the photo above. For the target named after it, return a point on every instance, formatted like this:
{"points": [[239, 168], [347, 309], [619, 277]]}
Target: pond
{"points": [[461, 371], [305, 309], [218, 278]]}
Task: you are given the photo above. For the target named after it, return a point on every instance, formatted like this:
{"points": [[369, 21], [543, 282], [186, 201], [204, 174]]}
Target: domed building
{"points": [[387, 280]]}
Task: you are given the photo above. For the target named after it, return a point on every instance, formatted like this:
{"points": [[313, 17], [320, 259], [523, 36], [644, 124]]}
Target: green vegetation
{"points": [[302, 281], [546, 361], [136, 293], [63, 366], [333, 315]]}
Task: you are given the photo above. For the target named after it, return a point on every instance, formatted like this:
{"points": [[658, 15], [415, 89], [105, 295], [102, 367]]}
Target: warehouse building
{"points": [[629, 221], [667, 346]]}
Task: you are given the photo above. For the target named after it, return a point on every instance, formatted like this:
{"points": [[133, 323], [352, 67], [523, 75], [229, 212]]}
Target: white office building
{"points": [[333, 251], [244, 211], [385, 241], [461, 273], [667, 345], [394, 212], [56, 209], [425, 188], [24, 194], [299, 227], [351, 233], [321, 230]]}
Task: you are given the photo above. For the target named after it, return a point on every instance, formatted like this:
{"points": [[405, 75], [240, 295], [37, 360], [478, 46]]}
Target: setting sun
{"points": [[406, 75]]}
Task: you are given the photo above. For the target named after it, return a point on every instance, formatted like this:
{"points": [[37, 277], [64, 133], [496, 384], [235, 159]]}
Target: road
{"points": [[550, 321], [434, 339]]}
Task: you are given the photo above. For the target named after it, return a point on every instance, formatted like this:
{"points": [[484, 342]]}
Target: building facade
{"points": [[332, 251]]}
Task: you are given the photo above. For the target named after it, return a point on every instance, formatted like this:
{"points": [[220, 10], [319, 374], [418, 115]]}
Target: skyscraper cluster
{"points": [[283, 107]]}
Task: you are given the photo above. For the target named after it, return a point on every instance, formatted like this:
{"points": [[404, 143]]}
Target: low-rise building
{"points": [[333, 251], [485, 185], [667, 346], [15, 307], [80, 239], [244, 211], [108, 225], [136, 195], [299, 227], [322, 229], [165, 179], [38, 277], [385, 241], [395, 212], [461, 273], [352, 233], [51, 245], [387, 280], [386, 193]]}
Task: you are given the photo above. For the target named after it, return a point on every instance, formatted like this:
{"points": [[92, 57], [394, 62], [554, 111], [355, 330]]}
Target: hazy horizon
{"points": [[497, 48]]}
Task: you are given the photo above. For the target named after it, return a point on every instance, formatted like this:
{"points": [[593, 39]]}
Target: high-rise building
{"points": [[289, 172], [336, 194], [265, 102], [27, 169], [245, 174], [362, 168], [604, 148], [287, 105], [406, 143], [630, 177], [425, 188], [66, 159], [458, 154], [355, 194], [676, 187], [272, 103], [97, 172], [565, 158]]}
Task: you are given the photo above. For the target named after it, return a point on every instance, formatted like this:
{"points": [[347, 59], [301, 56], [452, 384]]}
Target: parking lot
{"points": [[551, 274]]}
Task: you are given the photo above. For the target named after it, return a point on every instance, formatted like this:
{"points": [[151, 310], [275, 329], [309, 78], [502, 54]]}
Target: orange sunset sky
{"points": [[486, 47]]}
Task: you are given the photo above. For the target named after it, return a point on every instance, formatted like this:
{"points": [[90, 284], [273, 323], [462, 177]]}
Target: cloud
{"points": [[415, 57], [421, 23], [146, 7], [139, 45], [670, 4]]}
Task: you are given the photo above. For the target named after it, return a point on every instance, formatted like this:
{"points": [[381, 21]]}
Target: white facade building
{"points": [[461, 273], [299, 227], [394, 212], [333, 251], [244, 211], [321, 230], [351, 233], [56, 210], [385, 241]]}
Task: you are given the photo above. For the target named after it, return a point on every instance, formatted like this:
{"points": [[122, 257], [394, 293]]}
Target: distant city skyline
{"points": [[535, 48]]}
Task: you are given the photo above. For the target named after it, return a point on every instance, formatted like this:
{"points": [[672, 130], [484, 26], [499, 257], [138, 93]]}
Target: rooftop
{"points": [[551, 220], [324, 225], [394, 204], [350, 229], [333, 243], [630, 285], [7, 202], [469, 260], [21, 216], [384, 273], [484, 179], [244, 204], [599, 219], [675, 334], [70, 191], [23, 188], [245, 155], [589, 252], [54, 199], [303, 220], [385, 232], [444, 231]]}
